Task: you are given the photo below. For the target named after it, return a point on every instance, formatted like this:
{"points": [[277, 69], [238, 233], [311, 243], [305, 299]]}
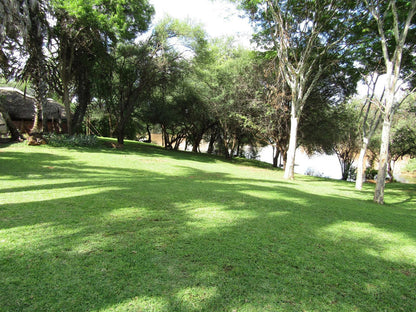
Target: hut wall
{"points": [[24, 126]]}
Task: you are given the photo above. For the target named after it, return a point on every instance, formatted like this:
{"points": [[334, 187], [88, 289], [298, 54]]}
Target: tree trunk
{"points": [[290, 164], [236, 144], [44, 101], [16, 136], [224, 146], [275, 156], [385, 134], [195, 144], [67, 105], [346, 171], [361, 166], [390, 169], [212, 140], [120, 133], [36, 128], [84, 99], [40, 103], [382, 168], [149, 134], [36, 66], [66, 70], [165, 138]]}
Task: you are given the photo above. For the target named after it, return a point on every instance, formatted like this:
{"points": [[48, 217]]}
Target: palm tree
{"points": [[26, 19]]}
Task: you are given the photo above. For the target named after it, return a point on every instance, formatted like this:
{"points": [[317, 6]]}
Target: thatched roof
{"points": [[21, 106]]}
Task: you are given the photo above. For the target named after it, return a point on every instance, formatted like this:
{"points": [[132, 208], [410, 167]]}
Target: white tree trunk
{"points": [[361, 166], [382, 167], [290, 164], [385, 133]]}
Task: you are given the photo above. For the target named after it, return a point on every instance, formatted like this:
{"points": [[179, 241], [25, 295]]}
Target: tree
{"points": [[86, 34], [232, 93], [403, 142], [393, 19], [346, 145], [333, 123], [274, 123], [15, 134], [370, 120], [197, 120], [27, 20], [303, 34], [133, 78], [179, 48]]}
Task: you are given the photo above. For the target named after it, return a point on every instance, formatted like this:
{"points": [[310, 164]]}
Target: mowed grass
{"points": [[143, 229]]}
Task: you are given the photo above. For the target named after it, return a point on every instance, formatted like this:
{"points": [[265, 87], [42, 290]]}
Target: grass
{"points": [[143, 229]]}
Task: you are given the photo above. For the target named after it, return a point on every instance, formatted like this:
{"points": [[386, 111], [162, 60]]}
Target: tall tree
{"points": [[274, 123], [403, 141], [26, 20], [329, 123], [133, 78], [177, 103], [302, 33], [86, 33], [231, 91], [369, 122], [394, 19], [346, 145]]}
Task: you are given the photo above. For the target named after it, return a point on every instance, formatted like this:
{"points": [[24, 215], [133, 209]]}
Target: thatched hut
{"points": [[21, 109]]}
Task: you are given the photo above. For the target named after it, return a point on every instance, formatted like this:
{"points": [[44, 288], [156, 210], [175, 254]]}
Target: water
{"points": [[320, 165]]}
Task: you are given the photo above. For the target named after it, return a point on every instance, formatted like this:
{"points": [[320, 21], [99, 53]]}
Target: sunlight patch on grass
{"points": [[123, 214], [261, 194], [217, 216], [195, 298], [31, 236], [396, 247], [278, 213], [47, 194], [142, 303]]}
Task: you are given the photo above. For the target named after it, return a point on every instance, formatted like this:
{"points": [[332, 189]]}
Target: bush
{"points": [[370, 173], [352, 173], [64, 140]]}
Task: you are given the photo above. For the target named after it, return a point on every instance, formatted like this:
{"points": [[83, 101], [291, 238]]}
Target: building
{"points": [[21, 109]]}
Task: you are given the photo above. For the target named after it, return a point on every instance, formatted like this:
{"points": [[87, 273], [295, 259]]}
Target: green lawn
{"points": [[143, 229]]}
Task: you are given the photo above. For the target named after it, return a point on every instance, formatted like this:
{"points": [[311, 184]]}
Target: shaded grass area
{"points": [[144, 229]]}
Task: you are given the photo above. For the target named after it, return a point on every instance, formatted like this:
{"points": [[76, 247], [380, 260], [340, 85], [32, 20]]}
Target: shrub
{"points": [[64, 140], [352, 173], [370, 173]]}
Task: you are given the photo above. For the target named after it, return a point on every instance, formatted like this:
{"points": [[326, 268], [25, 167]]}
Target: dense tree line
{"points": [[114, 75]]}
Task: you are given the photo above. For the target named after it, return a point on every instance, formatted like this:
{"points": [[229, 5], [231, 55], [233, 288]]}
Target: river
{"points": [[319, 165]]}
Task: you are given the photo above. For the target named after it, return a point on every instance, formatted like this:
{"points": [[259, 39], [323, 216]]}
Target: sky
{"points": [[218, 17]]}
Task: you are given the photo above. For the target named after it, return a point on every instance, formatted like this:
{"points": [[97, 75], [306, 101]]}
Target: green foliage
{"points": [[403, 140], [118, 19], [364, 33], [76, 140], [370, 173]]}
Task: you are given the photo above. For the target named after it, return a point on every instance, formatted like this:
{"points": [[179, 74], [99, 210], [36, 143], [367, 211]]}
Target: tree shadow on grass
{"points": [[200, 241], [145, 149]]}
